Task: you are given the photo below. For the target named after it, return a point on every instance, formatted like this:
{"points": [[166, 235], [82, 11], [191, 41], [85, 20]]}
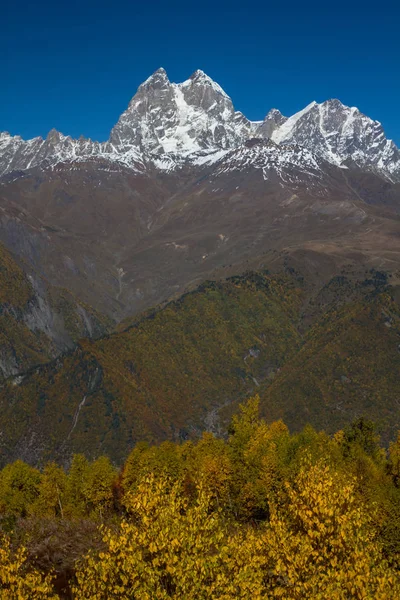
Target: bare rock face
{"points": [[19, 155], [37, 321], [271, 123], [148, 111]]}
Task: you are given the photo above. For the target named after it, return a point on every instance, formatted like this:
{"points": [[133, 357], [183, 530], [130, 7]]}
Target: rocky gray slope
{"points": [[38, 321], [168, 125]]}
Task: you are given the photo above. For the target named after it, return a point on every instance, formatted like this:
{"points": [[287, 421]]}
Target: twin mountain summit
{"points": [[151, 282]]}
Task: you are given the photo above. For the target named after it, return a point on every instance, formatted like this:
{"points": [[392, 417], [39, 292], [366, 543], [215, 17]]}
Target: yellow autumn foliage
{"points": [[318, 544], [16, 581], [264, 514], [321, 543], [166, 549]]}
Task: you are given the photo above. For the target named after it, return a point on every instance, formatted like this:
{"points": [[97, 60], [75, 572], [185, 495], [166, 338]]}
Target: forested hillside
{"points": [[262, 514], [164, 377], [320, 355], [348, 366]]}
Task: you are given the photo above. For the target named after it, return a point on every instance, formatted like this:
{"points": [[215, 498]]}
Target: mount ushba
{"points": [[167, 125], [186, 190], [186, 186]]}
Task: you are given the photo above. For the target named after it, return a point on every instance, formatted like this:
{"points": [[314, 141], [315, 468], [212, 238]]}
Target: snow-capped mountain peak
{"points": [[340, 134], [271, 123], [287, 129], [183, 118], [158, 80]]}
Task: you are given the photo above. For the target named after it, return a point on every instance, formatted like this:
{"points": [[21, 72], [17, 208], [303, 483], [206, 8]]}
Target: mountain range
{"points": [[168, 125], [95, 235]]}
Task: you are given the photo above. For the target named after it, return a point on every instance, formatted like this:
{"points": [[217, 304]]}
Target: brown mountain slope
{"points": [[124, 241]]}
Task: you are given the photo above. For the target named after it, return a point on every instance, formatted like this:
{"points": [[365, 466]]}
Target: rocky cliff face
{"points": [[17, 154], [37, 321], [271, 123]]}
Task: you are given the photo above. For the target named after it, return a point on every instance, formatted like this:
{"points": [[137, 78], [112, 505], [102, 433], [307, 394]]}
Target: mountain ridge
{"points": [[167, 125]]}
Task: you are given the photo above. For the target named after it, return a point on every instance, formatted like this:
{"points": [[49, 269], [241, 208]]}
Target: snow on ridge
{"points": [[19, 155], [209, 158], [280, 134], [341, 134], [179, 137], [289, 164]]}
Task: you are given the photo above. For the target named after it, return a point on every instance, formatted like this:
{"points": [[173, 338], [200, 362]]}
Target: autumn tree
{"points": [[168, 548], [19, 488], [98, 486], [257, 452], [51, 492], [76, 497], [321, 543], [164, 460], [208, 464]]}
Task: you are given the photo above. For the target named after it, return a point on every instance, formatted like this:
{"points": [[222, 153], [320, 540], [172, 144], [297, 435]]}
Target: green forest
{"points": [[257, 513]]}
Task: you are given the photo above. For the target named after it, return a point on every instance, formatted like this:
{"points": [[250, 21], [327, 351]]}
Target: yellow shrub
{"points": [[16, 581]]}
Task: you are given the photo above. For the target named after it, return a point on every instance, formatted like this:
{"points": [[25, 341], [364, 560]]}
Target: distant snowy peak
{"points": [[341, 134], [158, 79], [17, 154], [200, 78]]}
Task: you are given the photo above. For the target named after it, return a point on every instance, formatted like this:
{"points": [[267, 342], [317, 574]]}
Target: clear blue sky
{"points": [[75, 65]]}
